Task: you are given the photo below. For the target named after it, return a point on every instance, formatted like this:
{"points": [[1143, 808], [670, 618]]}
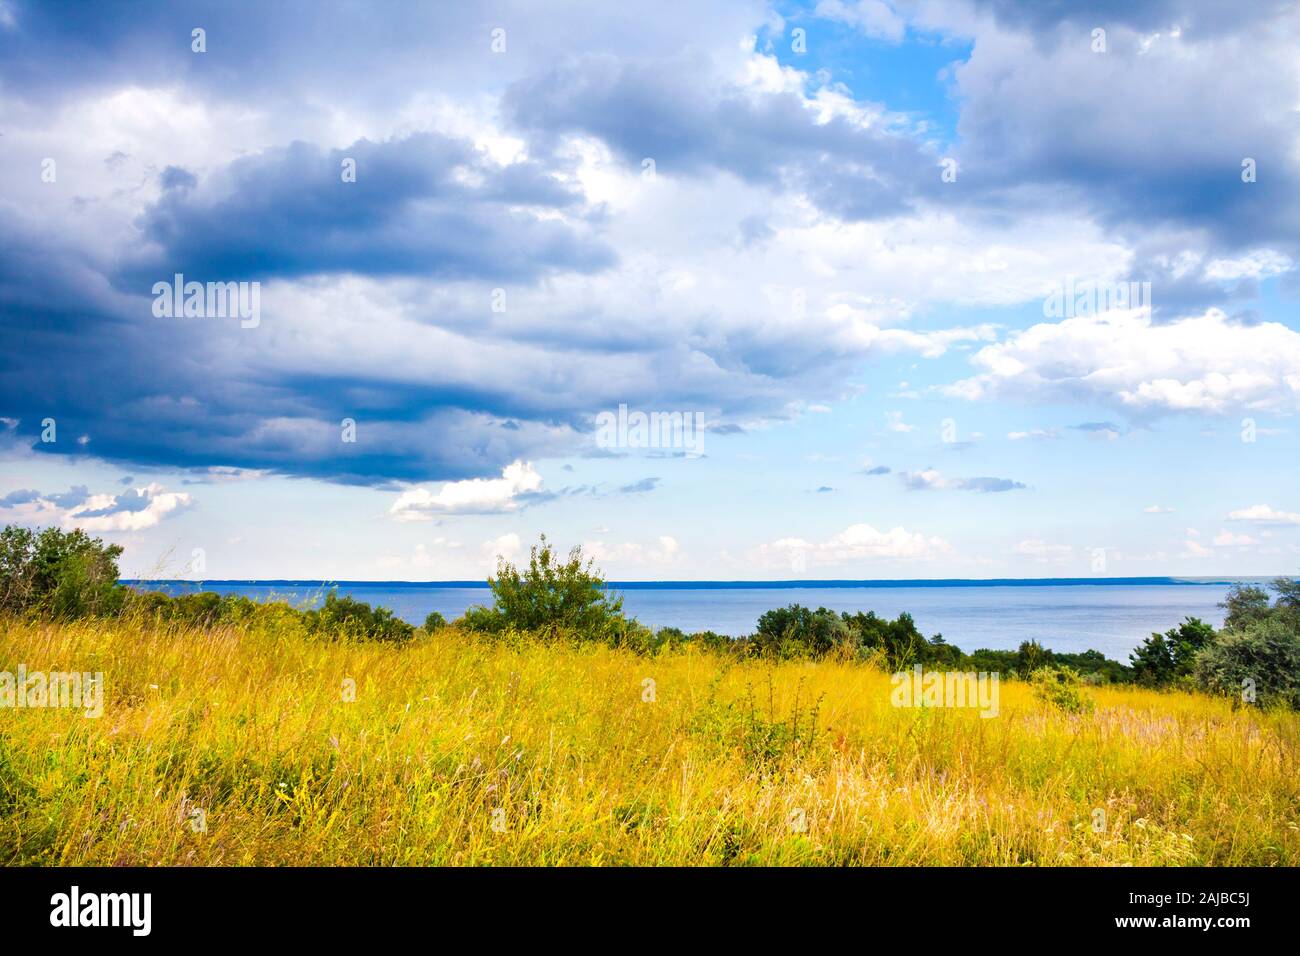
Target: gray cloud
{"points": [[692, 123], [931, 480], [639, 487], [287, 212]]}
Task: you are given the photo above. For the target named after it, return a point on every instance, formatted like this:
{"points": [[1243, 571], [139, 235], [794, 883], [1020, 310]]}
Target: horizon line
{"points": [[703, 584]]}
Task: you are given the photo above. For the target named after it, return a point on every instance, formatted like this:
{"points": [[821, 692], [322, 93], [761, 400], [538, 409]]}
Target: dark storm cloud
{"points": [[78, 342], [288, 212]]}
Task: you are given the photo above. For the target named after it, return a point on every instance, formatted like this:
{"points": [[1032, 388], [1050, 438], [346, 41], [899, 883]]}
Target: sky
{"points": [[979, 288]]}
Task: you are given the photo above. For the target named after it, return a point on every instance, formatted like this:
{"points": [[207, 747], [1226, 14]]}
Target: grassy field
{"points": [[229, 748]]}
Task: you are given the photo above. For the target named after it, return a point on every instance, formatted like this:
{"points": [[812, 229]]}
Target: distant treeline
{"points": [[1254, 658]]}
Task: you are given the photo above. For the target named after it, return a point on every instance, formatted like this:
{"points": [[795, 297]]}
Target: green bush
{"points": [[58, 573], [900, 641], [1244, 605], [338, 618], [345, 617], [1263, 656], [1030, 656], [1288, 595], [1060, 687], [434, 621], [1163, 659], [201, 609], [712, 641], [553, 596], [797, 631], [1093, 666]]}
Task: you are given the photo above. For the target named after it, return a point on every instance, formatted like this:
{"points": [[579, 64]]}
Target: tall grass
{"points": [[236, 746]]}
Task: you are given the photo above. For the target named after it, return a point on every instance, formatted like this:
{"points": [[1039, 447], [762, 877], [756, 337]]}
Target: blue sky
{"points": [[836, 247]]}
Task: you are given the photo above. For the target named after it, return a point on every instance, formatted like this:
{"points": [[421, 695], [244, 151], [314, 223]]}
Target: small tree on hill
{"points": [[552, 594], [1164, 658], [62, 573]]}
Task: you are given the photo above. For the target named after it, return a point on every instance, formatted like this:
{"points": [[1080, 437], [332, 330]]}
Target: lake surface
{"points": [[1112, 617]]}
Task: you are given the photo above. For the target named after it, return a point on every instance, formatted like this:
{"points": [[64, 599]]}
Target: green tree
{"points": [[1244, 605], [1288, 594], [1165, 658], [346, 617], [1030, 656], [56, 572], [900, 640], [553, 594], [1152, 662], [797, 631], [1260, 660]]}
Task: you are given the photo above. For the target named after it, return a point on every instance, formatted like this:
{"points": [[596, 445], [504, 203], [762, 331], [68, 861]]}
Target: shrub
{"points": [[797, 631], [349, 618], [58, 573], [1060, 687], [1030, 656], [1265, 653], [671, 636], [631, 634], [434, 621], [202, 609], [1244, 604], [1165, 658], [1288, 595], [899, 642], [552, 596], [1093, 666], [983, 659], [712, 641]]}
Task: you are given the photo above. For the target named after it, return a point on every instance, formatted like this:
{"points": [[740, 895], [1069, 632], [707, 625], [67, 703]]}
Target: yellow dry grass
{"points": [[233, 747]]}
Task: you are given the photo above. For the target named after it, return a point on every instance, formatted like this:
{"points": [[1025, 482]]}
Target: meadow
{"points": [[263, 744]]}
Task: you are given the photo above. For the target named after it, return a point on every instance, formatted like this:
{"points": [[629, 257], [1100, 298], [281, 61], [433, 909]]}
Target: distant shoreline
{"points": [[740, 585]]}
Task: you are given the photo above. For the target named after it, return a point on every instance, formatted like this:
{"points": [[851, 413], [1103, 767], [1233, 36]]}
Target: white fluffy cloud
{"points": [[1229, 539], [475, 496], [859, 542], [1264, 515], [1207, 363], [665, 552], [133, 510], [507, 546], [875, 18]]}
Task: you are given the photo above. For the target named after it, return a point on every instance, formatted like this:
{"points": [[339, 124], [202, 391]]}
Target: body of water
{"points": [[1111, 617]]}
